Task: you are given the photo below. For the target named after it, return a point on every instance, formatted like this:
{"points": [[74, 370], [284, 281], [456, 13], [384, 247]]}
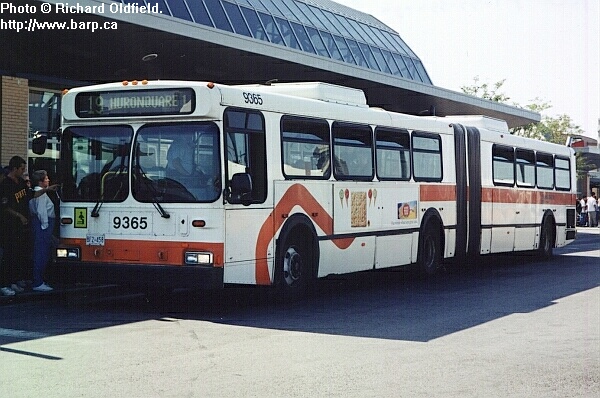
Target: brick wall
{"points": [[14, 119]]}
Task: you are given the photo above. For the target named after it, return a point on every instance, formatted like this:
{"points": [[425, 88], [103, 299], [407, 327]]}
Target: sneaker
{"points": [[42, 288], [16, 288], [7, 291], [22, 284]]}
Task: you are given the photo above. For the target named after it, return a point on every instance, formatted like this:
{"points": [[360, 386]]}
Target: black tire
{"points": [[429, 257], [293, 273], [545, 249]]}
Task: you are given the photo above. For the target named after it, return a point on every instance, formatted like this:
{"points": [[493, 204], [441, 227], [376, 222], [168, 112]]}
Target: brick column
{"points": [[14, 118]]}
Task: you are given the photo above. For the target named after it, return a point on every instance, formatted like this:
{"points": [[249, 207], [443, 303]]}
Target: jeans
{"points": [[42, 244]]}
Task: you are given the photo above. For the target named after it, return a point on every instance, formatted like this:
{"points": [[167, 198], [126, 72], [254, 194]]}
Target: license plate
{"points": [[94, 240]]}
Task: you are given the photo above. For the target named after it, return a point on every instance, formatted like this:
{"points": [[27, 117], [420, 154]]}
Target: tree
{"points": [[484, 91], [552, 129]]}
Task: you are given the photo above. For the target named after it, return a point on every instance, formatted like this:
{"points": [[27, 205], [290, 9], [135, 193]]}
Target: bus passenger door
{"points": [[246, 207]]}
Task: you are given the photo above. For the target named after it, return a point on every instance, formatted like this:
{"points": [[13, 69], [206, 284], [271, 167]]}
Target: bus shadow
{"points": [[389, 304], [393, 304]]}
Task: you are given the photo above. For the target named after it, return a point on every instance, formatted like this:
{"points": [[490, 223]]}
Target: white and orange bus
{"points": [[290, 182]]}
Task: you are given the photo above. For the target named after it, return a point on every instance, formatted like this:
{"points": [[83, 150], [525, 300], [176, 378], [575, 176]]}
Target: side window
{"points": [[525, 168], [427, 156], [503, 167], [392, 154], [544, 166], [352, 152], [562, 174], [305, 148], [246, 149]]}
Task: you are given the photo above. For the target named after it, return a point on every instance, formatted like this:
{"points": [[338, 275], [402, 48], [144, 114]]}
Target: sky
{"points": [[546, 50]]}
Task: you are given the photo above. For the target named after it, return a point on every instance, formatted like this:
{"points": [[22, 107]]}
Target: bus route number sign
{"points": [[146, 102]]}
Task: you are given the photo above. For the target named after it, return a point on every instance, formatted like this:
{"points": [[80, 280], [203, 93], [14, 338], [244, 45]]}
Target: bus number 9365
{"points": [[130, 222], [250, 98]]}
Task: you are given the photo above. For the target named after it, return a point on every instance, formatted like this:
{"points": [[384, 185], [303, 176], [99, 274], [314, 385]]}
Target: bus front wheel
{"points": [[293, 274]]}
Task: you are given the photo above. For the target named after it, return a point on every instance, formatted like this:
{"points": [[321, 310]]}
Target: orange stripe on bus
{"points": [[499, 195], [434, 193], [296, 195], [144, 252]]}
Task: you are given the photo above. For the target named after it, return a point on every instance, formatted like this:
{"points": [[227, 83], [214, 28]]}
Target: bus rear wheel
{"points": [[545, 250], [429, 257]]}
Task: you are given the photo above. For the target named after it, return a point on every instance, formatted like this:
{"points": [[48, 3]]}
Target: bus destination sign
{"points": [[154, 102]]}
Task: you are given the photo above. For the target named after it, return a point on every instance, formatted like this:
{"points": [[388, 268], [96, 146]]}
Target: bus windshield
{"points": [[177, 163], [96, 163]]}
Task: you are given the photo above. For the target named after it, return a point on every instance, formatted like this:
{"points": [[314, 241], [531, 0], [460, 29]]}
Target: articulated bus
{"points": [[285, 183]]}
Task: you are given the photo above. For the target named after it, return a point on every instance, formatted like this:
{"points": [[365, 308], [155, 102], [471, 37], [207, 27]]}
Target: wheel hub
{"points": [[292, 266]]}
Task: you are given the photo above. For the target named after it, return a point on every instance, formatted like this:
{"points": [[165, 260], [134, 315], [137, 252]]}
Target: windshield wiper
{"points": [[153, 191], [100, 202]]}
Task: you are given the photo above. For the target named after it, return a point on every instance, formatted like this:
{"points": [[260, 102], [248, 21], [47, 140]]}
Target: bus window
{"points": [[305, 148], [96, 163], [177, 162], [525, 168], [427, 156], [562, 174], [246, 149], [503, 165], [544, 166], [352, 152], [393, 154]]}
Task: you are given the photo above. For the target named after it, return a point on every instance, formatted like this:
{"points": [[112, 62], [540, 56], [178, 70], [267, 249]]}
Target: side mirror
{"points": [[39, 144], [240, 189]]}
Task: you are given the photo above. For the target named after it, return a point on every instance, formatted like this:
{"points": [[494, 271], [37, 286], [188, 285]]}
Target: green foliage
{"points": [[555, 129], [484, 91]]}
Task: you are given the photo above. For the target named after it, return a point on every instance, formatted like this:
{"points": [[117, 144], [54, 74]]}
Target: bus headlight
{"points": [[198, 258], [71, 253]]}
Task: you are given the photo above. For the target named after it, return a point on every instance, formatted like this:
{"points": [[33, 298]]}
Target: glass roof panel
{"points": [[303, 38], [422, 72], [331, 46], [389, 58], [321, 17], [272, 7], [271, 28], [285, 10], [403, 69], [334, 23], [317, 42], [179, 9], [218, 15], [258, 5], [357, 54], [349, 28], [236, 18], [364, 36], [344, 49], [320, 27], [377, 35], [412, 70], [380, 60], [366, 50], [200, 14], [314, 21], [288, 34], [258, 31], [298, 13]]}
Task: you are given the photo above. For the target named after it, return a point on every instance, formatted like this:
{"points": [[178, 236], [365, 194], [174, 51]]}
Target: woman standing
{"points": [[42, 223]]}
